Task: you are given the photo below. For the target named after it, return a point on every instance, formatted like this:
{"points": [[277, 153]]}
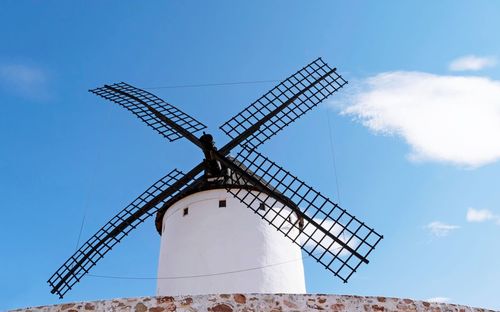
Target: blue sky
{"points": [[415, 132]]}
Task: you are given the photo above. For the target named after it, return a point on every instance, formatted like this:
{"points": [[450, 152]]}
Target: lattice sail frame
{"points": [[344, 228], [318, 80], [112, 233], [130, 98]]}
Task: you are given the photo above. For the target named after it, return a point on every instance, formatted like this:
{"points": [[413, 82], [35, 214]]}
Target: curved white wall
{"points": [[252, 255]]}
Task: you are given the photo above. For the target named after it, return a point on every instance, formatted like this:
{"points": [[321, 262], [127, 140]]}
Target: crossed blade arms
{"points": [[336, 239]]}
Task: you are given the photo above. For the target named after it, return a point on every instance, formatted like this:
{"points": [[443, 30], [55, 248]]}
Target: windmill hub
{"points": [[213, 167]]}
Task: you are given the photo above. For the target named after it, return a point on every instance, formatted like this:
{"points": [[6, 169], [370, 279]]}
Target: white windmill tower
{"points": [[212, 243], [226, 225]]}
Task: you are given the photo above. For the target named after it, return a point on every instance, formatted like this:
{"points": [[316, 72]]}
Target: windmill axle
{"points": [[213, 167]]}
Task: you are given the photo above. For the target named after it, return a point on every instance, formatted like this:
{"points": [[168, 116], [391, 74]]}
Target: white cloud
{"points": [[28, 81], [450, 119], [481, 215], [438, 299], [472, 62], [440, 229]]}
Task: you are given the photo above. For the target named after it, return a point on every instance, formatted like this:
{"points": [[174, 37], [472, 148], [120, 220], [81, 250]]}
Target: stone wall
{"points": [[256, 303]]}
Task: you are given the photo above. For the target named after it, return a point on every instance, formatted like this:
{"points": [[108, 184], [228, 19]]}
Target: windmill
{"points": [[309, 220]]}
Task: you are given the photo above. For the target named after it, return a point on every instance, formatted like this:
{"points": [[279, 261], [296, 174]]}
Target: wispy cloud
{"points": [[438, 299], [440, 229], [481, 215], [25, 80], [454, 119], [472, 63]]}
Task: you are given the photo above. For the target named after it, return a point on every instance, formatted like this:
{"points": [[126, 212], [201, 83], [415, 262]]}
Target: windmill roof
{"points": [[232, 180]]}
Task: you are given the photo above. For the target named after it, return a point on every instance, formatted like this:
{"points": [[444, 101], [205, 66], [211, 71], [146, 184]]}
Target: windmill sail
{"points": [[147, 107], [325, 231], [113, 232], [283, 104]]}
